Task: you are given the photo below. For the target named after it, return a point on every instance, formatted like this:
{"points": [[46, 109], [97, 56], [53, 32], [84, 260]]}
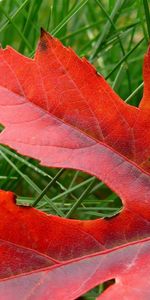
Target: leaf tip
{"points": [[43, 32], [43, 40]]}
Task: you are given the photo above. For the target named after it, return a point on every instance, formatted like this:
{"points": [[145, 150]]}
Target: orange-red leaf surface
{"points": [[68, 107], [129, 265], [57, 109], [64, 239], [40, 276]]}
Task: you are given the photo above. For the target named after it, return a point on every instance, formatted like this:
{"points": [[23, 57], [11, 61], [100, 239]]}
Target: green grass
{"points": [[114, 36]]}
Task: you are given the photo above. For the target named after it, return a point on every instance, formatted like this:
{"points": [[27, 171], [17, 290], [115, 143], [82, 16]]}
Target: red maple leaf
{"points": [[67, 105], [29, 273], [57, 109]]}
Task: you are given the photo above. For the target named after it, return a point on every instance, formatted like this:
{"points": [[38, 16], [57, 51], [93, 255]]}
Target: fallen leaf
{"points": [[68, 107], [43, 273], [129, 265], [37, 109], [64, 239], [57, 109]]}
